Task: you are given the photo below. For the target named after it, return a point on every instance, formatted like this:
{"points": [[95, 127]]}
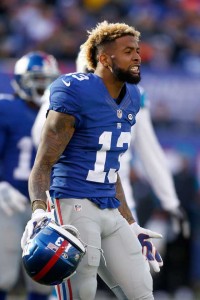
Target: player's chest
{"points": [[106, 112], [22, 122]]}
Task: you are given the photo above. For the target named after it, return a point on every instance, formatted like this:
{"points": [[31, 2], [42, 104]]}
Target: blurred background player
{"points": [[32, 74]]}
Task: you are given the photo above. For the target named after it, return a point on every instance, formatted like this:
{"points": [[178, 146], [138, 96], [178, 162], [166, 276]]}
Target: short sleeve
{"points": [[64, 97]]}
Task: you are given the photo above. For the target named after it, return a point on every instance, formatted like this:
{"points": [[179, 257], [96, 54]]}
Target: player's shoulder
{"points": [[6, 101], [70, 80], [9, 107], [6, 97]]}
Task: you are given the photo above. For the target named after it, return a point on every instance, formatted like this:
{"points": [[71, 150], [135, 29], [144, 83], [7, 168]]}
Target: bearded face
{"points": [[131, 75]]}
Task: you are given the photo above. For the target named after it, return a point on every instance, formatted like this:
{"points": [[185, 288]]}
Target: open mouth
{"points": [[135, 70]]}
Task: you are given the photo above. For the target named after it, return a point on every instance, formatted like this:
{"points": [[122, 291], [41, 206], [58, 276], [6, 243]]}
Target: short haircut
{"points": [[104, 33]]}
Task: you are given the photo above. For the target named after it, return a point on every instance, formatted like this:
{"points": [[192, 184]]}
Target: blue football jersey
{"points": [[17, 152], [89, 164]]}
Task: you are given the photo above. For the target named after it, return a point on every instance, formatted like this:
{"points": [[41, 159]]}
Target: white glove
{"points": [[148, 249], [36, 217], [11, 200]]}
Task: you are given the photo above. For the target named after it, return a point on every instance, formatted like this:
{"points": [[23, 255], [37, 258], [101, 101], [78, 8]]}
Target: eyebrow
{"points": [[131, 48]]}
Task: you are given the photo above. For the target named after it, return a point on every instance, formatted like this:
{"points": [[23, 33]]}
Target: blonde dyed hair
{"points": [[103, 33]]}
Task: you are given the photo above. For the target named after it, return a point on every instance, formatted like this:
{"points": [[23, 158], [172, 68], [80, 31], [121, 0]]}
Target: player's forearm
{"points": [[123, 209], [154, 161], [39, 182]]}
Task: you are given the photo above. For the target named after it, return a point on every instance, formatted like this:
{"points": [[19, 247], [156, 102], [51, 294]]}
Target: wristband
{"points": [[38, 204]]}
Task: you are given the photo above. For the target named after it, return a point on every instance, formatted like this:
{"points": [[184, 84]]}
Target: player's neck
{"points": [[113, 86]]}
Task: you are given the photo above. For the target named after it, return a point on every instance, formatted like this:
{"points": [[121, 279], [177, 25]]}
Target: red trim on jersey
{"points": [[52, 261]]}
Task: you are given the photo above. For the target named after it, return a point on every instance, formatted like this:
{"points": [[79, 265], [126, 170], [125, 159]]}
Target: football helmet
{"points": [[53, 252], [32, 75]]}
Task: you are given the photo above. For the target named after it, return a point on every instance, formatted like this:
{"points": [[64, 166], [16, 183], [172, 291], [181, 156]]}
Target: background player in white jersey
{"points": [[86, 132], [32, 74]]}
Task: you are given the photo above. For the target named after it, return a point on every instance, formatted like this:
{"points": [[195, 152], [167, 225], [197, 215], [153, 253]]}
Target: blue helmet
{"points": [[53, 253], [32, 75]]}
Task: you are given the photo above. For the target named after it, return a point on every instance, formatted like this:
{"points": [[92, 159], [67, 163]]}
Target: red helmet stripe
{"points": [[52, 261]]}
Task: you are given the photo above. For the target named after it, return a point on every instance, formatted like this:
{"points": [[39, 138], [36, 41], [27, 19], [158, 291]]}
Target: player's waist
{"points": [[101, 202]]}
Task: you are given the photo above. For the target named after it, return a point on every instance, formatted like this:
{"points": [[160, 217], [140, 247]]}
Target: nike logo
{"points": [[66, 83]]}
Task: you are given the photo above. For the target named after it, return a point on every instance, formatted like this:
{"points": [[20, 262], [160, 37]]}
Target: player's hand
{"points": [[180, 222], [37, 216], [11, 200], [148, 249]]}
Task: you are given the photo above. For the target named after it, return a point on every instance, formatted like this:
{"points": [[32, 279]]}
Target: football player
{"points": [[147, 147], [32, 74], [86, 132]]}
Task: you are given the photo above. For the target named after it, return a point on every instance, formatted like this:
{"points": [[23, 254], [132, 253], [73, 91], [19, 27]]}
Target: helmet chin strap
{"points": [[100, 249]]}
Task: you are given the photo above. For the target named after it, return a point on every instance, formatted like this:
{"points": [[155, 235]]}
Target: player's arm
{"points": [[144, 235], [155, 164], [154, 161], [124, 209], [56, 134], [11, 200]]}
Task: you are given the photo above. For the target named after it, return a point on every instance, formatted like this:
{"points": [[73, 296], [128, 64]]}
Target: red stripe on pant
{"points": [[60, 288]]}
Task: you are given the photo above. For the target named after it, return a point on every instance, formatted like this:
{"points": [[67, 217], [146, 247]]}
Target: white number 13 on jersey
{"points": [[98, 174]]}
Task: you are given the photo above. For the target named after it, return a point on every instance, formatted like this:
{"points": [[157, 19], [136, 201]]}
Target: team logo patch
{"points": [[119, 113], [53, 247], [130, 117], [77, 207]]}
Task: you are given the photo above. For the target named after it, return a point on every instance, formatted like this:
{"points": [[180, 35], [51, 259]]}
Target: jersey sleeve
{"points": [[65, 97]]}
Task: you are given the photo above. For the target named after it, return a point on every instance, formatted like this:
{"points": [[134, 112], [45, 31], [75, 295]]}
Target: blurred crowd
{"points": [[170, 28]]}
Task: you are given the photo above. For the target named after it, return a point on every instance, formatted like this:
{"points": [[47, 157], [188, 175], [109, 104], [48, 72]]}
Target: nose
{"points": [[136, 57]]}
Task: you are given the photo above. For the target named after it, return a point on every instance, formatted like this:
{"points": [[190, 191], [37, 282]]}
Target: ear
{"points": [[104, 60]]}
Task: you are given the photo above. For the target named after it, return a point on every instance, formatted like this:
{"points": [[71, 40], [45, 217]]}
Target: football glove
{"points": [[36, 217], [180, 222], [148, 249], [11, 200]]}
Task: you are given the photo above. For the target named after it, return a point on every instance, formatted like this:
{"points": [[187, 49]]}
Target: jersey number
{"points": [[23, 169], [98, 174]]}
